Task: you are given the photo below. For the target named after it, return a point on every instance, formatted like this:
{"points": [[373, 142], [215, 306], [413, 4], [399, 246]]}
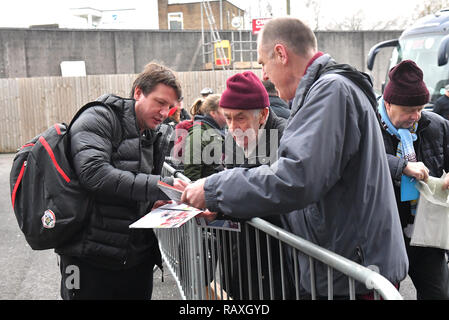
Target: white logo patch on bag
{"points": [[48, 219]]}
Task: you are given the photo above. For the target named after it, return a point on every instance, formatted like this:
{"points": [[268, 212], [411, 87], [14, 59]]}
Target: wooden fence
{"points": [[30, 105]]}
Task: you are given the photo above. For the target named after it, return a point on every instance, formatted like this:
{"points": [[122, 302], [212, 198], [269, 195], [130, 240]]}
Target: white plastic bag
{"points": [[431, 227]]}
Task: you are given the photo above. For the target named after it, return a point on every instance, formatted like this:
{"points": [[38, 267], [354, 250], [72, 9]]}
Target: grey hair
{"points": [[257, 112]]}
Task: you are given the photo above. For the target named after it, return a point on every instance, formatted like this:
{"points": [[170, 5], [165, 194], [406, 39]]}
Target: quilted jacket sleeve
{"points": [[92, 137], [397, 166]]}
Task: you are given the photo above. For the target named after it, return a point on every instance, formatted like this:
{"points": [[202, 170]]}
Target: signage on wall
{"points": [[258, 24]]}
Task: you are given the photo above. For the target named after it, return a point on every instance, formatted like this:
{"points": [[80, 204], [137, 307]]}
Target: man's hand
{"points": [[446, 182], [209, 216], [180, 184], [417, 170], [160, 203], [194, 194]]}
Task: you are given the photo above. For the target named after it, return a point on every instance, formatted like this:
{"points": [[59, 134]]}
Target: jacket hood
{"points": [[209, 121]]}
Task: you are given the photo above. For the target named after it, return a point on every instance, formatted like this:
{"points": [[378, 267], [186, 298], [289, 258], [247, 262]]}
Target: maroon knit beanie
{"points": [[406, 86], [244, 91]]}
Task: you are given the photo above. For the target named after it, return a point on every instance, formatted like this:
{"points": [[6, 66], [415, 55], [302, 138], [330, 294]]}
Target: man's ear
{"points": [[263, 116], [280, 52], [137, 93]]}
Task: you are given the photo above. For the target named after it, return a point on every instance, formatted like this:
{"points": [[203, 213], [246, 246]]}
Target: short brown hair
{"points": [[291, 32], [154, 74]]}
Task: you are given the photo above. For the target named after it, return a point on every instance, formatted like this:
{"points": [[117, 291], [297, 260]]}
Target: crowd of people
{"points": [[308, 147]]}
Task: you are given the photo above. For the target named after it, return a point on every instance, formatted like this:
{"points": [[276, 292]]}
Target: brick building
{"points": [[187, 16]]}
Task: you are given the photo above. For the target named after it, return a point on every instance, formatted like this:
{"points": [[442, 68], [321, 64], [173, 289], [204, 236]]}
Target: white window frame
{"points": [[176, 16]]}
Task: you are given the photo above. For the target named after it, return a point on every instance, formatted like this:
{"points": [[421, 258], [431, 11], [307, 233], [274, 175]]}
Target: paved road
{"points": [[34, 275]]}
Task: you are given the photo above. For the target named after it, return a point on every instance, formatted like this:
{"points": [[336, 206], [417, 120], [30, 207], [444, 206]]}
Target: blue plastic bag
{"points": [[408, 189]]}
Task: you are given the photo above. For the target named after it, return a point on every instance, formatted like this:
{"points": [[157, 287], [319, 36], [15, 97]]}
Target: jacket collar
{"points": [[209, 121], [125, 108], [309, 78], [424, 122], [316, 56]]}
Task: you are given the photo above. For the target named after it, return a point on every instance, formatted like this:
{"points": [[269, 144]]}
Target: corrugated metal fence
{"points": [[30, 105]]}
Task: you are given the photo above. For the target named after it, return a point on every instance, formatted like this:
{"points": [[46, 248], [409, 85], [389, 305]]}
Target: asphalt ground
{"points": [[26, 274]]}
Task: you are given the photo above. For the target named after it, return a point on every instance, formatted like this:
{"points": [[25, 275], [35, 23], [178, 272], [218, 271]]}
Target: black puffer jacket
{"points": [[120, 167], [431, 147], [279, 106]]}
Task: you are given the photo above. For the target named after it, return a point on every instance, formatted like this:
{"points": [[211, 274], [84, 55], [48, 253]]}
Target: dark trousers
{"points": [[83, 281], [429, 272]]}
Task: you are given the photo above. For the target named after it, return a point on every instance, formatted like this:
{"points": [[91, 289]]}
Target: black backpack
{"points": [[50, 205]]}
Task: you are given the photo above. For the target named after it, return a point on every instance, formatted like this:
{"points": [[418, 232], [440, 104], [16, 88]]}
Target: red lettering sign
{"points": [[258, 24]]}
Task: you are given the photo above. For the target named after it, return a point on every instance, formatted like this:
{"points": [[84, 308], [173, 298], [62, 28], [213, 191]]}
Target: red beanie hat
{"points": [[244, 91], [406, 86]]}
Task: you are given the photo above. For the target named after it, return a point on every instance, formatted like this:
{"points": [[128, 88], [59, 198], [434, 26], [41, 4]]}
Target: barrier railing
{"points": [[257, 262]]}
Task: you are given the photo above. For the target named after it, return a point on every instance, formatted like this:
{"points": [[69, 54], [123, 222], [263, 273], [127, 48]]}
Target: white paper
{"points": [[172, 215], [170, 191]]}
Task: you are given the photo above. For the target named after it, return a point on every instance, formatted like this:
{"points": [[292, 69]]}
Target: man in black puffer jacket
{"points": [[118, 153]]}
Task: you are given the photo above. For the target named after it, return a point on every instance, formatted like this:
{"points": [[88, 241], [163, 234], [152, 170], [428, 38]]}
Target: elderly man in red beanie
{"points": [[417, 145], [245, 106], [253, 140]]}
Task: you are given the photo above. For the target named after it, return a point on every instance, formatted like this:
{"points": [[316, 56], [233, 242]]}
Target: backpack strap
{"points": [[84, 108], [361, 79]]}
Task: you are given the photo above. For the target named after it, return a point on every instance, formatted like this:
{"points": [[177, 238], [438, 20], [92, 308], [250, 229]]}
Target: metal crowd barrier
{"points": [[210, 264]]}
